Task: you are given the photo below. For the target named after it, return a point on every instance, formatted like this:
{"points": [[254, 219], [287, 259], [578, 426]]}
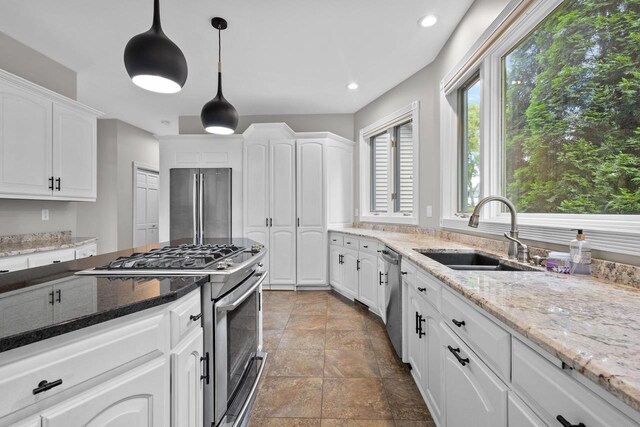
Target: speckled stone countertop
{"points": [[590, 325], [23, 244]]}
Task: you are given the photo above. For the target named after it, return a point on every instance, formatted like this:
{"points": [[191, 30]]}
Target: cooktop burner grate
{"points": [[183, 257]]}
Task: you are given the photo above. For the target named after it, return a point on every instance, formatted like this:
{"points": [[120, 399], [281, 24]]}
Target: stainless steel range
{"points": [[231, 315]]}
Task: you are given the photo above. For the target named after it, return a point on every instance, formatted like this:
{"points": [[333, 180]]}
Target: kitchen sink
{"points": [[473, 261]]}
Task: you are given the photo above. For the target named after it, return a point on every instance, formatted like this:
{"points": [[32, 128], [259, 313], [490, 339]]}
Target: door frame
{"points": [[138, 166]]}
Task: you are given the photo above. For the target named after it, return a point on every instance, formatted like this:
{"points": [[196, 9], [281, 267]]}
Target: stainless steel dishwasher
{"points": [[393, 296]]}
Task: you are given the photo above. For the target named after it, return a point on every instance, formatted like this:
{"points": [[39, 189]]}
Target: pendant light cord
{"points": [[219, 51]]}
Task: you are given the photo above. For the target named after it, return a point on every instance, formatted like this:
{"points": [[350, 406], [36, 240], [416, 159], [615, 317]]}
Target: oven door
{"points": [[237, 364]]}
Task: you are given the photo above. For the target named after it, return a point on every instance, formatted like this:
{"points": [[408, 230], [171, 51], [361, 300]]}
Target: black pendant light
{"points": [[153, 61], [218, 115]]}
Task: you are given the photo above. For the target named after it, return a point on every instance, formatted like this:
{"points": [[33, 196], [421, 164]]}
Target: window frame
{"points": [[611, 233], [462, 138], [409, 113]]}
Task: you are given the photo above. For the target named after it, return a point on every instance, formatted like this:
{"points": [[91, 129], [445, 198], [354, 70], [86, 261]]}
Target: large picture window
{"points": [[469, 176]]}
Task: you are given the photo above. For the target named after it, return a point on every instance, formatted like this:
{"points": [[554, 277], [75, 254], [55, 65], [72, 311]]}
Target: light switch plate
{"points": [[45, 214], [429, 211]]}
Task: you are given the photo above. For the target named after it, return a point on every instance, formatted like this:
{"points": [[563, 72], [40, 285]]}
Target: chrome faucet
{"points": [[517, 249]]}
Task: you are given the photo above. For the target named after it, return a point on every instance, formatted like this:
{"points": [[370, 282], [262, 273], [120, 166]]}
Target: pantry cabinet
{"points": [[48, 141]]}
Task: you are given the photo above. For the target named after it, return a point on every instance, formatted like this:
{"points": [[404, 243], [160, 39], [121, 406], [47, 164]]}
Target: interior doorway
{"points": [[145, 204]]}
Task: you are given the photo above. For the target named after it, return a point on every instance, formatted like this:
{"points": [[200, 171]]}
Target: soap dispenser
{"points": [[580, 254]]}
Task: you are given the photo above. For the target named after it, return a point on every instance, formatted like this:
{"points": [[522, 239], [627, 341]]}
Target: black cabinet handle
{"points": [[205, 359], [404, 273], [380, 278], [566, 423], [58, 183], [298, 222], [57, 261], [358, 265], [348, 243], [266, 222], [458, 323], [365, 246], [455, 352], [59, 292], [51, 183], [417, 322], [421, 333], [195, 317], [424, 290], [51, 298], [4, 271], [45, 385]]}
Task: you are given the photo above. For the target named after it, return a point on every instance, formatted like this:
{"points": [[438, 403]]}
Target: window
{"points": [[570, 111], [469, 172], [559, 132], [388, 168]]}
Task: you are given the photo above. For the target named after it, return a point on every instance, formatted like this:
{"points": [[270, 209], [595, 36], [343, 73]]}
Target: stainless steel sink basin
{"points": [[473, 261]]}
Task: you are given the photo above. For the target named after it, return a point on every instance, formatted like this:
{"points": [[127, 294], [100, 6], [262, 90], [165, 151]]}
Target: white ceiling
{"points": [[279, 56]]}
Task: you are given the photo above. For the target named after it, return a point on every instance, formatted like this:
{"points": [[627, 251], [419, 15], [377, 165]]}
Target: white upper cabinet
{"points": [[47, 144]]}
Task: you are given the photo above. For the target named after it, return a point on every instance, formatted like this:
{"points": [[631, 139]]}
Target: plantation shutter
{"points": [[380, 172], [405, 168]]}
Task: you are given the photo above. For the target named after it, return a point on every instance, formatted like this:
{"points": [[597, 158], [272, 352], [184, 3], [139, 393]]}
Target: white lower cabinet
{"points": [[53, 257], [368, 279], [137, 398], [186, 384], [416, 346], [29, 422], [336, 272], [13, 263], [474, 396], [350, 272], [520, 415]]}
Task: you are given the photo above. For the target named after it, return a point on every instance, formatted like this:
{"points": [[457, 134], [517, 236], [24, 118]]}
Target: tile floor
{"points": [[331, 364]]}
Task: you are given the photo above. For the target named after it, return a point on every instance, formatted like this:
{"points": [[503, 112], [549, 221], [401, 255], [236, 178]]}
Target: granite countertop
{"points": [[40, 242], [591, 325]]}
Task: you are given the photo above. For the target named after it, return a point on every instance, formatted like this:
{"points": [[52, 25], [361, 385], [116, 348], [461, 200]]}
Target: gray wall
{"points": [[24, 216], [21, 60], [424, 86], [340, 124]]}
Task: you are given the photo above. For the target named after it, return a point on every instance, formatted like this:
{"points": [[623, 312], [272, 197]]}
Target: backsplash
{"points": [[620, 273]]}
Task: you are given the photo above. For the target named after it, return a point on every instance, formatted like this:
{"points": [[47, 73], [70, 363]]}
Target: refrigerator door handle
{"points": [[201, 209], [195, 204]]}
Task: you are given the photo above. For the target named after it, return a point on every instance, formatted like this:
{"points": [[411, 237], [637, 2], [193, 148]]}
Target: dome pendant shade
{"points": [[154, 62], [218, 115]]}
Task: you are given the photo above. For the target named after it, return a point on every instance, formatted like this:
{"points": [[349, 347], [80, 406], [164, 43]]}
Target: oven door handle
{"points": [[240, 300]]}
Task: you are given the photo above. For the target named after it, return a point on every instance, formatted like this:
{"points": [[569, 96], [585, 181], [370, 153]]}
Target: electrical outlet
{"points": [[45, 214], [429, 211]]}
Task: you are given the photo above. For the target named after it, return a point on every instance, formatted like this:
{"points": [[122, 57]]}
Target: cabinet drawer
{"points": [[13, 263], [351, 243], [336, 239], [429, 288], [479, 332], [185, 317], [53, 257], [368, 246], [408, 272], [86, 251], [78, 361], [553, 392]]}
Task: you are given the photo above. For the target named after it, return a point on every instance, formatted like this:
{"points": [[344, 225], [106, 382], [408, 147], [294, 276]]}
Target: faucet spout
{"points": [[474, 220]]}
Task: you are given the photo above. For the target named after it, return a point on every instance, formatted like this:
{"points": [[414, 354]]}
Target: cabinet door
{"points": [[417, 337], [74, 154], [368, 280], [74, 298], [434, 381], [137, 398], [474, 396], [24, 311], [520, 415], [335, 266], [381, 281], [282, 208], [25, 143], [312, 254], [186, 385], [350, 272], [339, 177]]}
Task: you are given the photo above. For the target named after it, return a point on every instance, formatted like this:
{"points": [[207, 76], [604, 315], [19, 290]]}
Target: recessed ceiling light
{"points": [[352, 86], [427, 21]]}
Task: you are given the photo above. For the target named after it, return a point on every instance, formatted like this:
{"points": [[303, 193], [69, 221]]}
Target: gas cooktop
{"points": [[181, 257]]}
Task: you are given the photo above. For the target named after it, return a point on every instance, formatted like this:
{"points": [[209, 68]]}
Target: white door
{"points": [[417, 336], [146, 208], [75, 298], [74, 154], [474, 396], [312, 254], [136, 398], [282, 208], [335, 266], [25, 311], [350, 272], [25, 143], [368, 280], [381, 285], [186, 385], [256, 194]]}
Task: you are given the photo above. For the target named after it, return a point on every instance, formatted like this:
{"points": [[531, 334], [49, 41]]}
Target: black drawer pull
{"points": [[59, 292], [404, 273], [455, 352], [422, 290], [380, 278], [195, 317], [566, 423], [51, 300], [458, 323], [51, 183], [56, 261], [45, 385], [58, 183], [417, 322], [421, 333], [366, 246], [4, 271]]}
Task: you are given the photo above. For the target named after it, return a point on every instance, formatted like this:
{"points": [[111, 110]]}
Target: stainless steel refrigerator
{"points": [[200, 201]]}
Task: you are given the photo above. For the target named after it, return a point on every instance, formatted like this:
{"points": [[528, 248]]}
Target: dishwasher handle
{"points": [[390, 257]]}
